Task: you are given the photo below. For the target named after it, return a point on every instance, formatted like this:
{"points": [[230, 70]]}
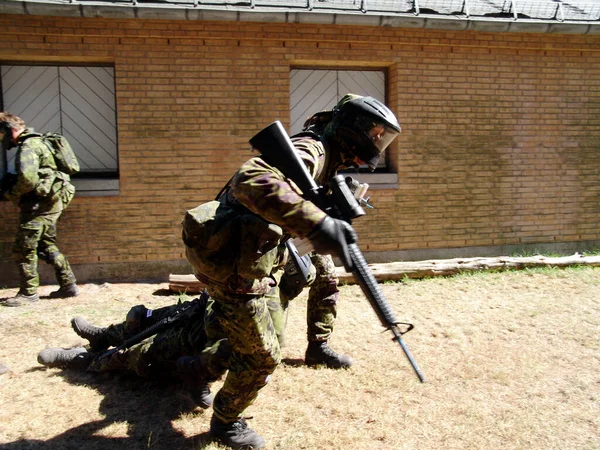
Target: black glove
{"points": [[332, 236]]}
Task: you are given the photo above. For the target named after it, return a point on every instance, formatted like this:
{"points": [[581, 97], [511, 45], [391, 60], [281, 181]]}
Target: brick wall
{"points": [[500, 148]]}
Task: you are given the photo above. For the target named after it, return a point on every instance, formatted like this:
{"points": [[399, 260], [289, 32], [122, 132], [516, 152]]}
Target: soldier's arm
{"points": [[27, 164], [265, 191]]}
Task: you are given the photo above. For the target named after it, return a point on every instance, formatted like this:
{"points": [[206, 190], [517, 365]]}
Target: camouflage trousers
{"points": [[36, 238], [253, 324], [323, 295]]}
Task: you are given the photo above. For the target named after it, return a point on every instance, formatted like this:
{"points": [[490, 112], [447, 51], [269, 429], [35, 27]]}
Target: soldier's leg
{"points": [[322, 300], [153, 356], [321, 315], [255, 354], [48, 251], [25, 253], [100, 338], [214, 356], [213, 359], [134, 359]]}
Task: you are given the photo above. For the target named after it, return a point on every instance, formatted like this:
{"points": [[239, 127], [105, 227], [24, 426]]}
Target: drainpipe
{"points": [[513, 5], [416, 6]]}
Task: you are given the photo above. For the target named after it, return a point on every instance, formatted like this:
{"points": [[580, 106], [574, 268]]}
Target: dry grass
{"points": [[512, 361]]}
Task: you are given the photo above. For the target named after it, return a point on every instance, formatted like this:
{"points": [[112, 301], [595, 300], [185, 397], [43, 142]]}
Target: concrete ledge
{"points": [[109, 12], [95, 187], [357, 19], [403, 22], [568, 28], [164, 13], [159, 271], [529, 27], [156, 271], [263, 16], [13, 8], [448, 24], [489, 26], [49, 9], [311, 17], [377, 180], [218, 15]]}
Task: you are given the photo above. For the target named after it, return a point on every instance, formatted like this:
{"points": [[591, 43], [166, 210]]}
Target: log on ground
{"points": [[396, 271]]}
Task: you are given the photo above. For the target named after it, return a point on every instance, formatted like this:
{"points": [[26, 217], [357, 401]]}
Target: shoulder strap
{"points": [[302, 134], [29, 135]]}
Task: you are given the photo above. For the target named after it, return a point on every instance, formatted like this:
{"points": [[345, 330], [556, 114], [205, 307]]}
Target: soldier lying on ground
{"points": [[193, 333], [193, 348]]}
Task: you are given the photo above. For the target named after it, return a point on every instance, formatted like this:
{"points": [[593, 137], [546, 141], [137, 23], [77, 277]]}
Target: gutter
{"points": [[283, 14]]}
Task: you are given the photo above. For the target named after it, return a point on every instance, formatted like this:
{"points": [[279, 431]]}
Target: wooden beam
{"points": [[396, 271]]}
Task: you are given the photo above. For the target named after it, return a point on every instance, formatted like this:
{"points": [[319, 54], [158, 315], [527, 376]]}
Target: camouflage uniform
{"points": [[42, 193], [322, 299], [198, 334], [159, 352], [249, 309]]}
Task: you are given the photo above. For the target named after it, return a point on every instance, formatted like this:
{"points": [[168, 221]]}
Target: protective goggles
{"points": [[380, 135]]}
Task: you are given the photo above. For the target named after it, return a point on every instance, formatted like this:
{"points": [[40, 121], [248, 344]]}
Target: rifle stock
{"points": [[278, 150]]}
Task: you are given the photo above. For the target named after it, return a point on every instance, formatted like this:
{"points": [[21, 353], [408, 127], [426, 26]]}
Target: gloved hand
{"points": [[332, 236]]}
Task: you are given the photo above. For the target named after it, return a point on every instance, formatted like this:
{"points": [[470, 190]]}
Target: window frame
{"points": [[87, 183], [384, 177]]}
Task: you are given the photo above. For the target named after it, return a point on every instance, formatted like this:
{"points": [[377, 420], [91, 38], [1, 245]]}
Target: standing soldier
{"points": [[42, 193], [236, 245]]}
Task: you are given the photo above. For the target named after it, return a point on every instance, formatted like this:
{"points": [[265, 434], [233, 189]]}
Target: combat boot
{"points": [[21, 300], [76, 358], [98, 337], [236, 435], [192, 372], [70, 290], [318, 353]]}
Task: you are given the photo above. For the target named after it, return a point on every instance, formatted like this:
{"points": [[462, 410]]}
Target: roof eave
{"points": [[238, 13]]}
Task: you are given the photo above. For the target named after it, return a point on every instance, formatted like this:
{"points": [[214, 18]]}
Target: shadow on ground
{"points": [[148, 408]]}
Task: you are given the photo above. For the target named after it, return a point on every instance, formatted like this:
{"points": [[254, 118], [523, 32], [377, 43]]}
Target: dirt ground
{"points": [[511, 361]]}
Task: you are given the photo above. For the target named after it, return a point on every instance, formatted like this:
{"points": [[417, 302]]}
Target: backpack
{"points": [[64, 156]]}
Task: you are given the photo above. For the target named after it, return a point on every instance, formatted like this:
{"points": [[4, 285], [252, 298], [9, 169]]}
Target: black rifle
{"points": [[337, 201], [185, 310]]}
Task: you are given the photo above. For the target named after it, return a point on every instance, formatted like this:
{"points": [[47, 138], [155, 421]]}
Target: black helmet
{"points": [[363, 127]]}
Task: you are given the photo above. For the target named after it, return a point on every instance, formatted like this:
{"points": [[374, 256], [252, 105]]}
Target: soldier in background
{"points": [[42, 193]]}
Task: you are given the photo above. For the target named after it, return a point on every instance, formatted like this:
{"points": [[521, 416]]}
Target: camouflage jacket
{"points": [[265, 191], [38, 180]]}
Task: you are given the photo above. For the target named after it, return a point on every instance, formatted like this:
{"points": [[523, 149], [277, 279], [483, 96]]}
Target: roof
{"points": [[541, 16]]}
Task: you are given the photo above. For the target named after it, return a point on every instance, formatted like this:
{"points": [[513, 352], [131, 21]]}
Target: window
{"points": [[76, 101], [313, 90]]}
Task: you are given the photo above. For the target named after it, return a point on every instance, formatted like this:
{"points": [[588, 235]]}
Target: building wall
{"points": [[500, 146]]}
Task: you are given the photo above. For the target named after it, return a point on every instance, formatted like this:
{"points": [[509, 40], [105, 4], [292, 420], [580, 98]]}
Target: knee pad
{"points": [[48, 257]]}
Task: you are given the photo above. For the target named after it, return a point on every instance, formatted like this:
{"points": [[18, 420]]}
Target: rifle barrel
{"points": [[370, 288]]}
